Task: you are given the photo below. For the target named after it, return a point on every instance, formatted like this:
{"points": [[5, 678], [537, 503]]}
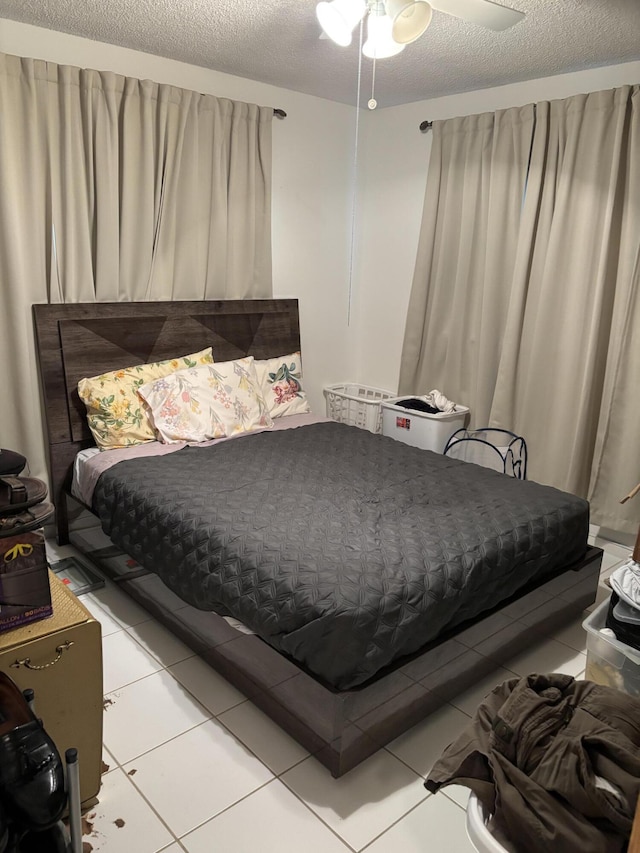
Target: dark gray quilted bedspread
{"points": [[342, 549]]}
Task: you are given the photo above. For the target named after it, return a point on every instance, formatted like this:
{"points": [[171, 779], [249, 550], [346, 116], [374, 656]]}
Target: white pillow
{"points": [[281, 385], [206, 402]]}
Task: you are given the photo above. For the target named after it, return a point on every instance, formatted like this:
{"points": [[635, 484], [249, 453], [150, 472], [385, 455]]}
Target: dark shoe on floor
{"points": [[30, 519], [18, 493], [31, 772]]}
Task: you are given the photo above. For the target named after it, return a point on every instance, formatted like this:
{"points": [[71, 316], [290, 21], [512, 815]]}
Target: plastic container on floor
{"points": [[609, 661], [356, 405], [420, 429], [477, 829]]}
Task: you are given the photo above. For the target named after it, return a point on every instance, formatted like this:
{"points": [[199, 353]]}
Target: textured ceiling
{"points": [[276, 41]]}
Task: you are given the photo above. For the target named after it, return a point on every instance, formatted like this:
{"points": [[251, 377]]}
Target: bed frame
{"points": [[341, 728]]}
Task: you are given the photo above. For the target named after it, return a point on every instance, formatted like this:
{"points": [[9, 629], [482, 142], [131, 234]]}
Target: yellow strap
{"points": [[22, 549]]}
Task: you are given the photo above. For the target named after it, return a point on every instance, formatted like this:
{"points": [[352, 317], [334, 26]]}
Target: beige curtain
{"points": [[466, 256], [570, 367], [111, 189], [564, 365]]}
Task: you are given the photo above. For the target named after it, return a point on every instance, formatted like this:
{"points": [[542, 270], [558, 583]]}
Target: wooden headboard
{"points": [[85, 339]]}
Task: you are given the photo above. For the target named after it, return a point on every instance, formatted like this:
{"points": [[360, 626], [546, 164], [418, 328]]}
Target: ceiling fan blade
{"points": [[481, 12]]}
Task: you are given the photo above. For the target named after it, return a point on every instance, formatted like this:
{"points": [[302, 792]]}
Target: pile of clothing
{"points": [[433, 403], [555, 761]]}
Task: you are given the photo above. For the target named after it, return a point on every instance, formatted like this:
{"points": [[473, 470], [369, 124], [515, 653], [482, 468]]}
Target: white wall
{"points": [[312, 184], [392, 172]]}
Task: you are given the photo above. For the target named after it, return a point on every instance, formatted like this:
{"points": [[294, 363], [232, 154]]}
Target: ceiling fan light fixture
{"points": [[410, 19], [380, 43], [338, 18]]}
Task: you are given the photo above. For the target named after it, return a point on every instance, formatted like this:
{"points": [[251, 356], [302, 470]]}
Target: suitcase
{"points": [[60, 658]]}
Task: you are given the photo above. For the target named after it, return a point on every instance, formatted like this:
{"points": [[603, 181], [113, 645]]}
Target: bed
{"points": [[343, 680]]}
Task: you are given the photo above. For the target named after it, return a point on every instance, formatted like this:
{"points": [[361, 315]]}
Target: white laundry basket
{"points": [[477, 829], [356, 405]]}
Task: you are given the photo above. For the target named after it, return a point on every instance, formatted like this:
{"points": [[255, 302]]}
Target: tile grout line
{"points": [[191, 654], [419, 775], [316, 816], [395, 823], [451, 800], [393, 755], [278, 777], [252, 751], [211, 818], [167, 669], [164, 742], [159, 816], [227, 808]]}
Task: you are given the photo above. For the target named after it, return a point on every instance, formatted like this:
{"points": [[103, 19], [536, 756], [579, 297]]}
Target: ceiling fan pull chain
{"points": [[372, 102]]}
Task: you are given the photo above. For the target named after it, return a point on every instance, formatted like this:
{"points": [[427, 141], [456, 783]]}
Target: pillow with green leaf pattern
{"points": [[281, 383]]}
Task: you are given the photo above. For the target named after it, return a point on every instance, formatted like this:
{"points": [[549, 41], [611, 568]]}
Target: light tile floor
{"points": [[191, 765]]}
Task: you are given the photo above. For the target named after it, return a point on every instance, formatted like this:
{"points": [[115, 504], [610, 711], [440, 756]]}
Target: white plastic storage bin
{"points": [[356, 405], [420, 429], [609, 661]]}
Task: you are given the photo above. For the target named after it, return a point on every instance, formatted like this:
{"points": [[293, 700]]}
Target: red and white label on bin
{"points": [[403, 423]]}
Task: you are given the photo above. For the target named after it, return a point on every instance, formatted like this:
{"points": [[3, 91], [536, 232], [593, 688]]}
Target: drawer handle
{"points": [[26, 662]]}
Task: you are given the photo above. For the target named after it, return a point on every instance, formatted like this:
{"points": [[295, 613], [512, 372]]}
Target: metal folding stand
{"points": [[73, 796]]}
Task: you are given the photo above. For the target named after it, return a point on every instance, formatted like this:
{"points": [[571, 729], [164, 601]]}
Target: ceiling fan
{"points": [[392, 24], [485, 13]]}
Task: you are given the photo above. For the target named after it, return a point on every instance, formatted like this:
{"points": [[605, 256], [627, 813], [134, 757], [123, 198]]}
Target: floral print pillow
{"points": [[281, 383], [117, 416], [211, 401]]}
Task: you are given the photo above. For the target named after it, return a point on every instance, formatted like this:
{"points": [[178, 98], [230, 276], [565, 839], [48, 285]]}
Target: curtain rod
{"points": [[425, 126], [279, 113]]}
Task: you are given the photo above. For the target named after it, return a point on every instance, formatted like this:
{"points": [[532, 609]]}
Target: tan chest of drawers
{"points": [[60, 658]]}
